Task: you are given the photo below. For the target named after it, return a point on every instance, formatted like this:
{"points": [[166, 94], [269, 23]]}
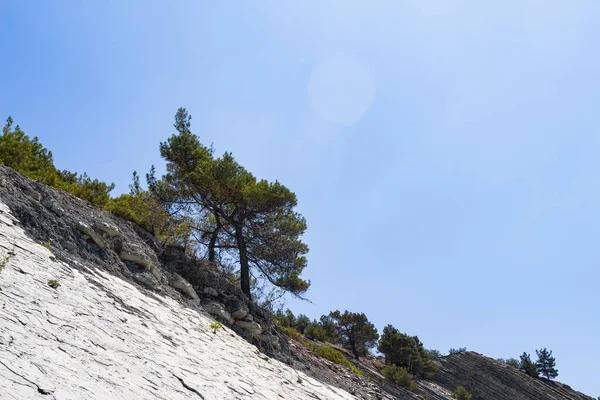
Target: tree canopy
{"points": [[253, 220], [546, 364], [528, 366], [29, 157], [356, 332], [405, 351]]}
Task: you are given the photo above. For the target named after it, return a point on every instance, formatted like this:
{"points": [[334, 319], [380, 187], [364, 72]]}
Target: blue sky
{"points": [[445, 154]]}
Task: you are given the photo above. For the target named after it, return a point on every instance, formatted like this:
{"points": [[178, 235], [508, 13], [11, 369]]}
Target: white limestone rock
{"points": [[100, 337]]}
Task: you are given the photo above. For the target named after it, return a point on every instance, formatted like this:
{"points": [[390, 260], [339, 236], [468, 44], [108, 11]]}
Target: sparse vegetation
{"points": [[5, 259], [461, 394], [528, 366], [215, 326], [456, 351], [54, 284], [29, 157], [333, 355], [399, 375], [47, 245]]}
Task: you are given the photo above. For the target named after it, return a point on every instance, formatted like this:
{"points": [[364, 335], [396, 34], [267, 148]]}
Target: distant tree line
{"points": [[544, 366], [405, 356]]}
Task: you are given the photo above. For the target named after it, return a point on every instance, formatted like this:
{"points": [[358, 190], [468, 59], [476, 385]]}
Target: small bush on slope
{"points": [[333, 355], [461, 394], [399, 375]]}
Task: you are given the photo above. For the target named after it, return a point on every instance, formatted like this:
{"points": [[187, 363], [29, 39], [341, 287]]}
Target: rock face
{"points": [[100, 337], [131, 319], [486, 378]]}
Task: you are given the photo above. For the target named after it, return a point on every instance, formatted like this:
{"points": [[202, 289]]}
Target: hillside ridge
{"points": [[131, 319]]}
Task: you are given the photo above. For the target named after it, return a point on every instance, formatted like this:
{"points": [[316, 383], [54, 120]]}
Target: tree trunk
{"points": [[353, 347], [212, 244], [244, 265], [213, 240]]}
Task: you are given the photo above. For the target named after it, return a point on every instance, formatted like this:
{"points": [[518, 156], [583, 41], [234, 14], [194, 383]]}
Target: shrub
{"points": [[333, 355], [456, 351], [29, 157], [5, 259], [461, 394], [399, 375], [54, 284], [215, 326], [292, 333], [315, 332], [148, 213]]}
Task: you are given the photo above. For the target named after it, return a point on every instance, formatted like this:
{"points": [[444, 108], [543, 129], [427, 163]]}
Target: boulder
{"points": [[87, 230], [211, 291], [32, 193], [138, 259], [143, 261], [218, 309], [272, 340], [183, 286], [53, 206], [252, 328], [107, 228], [146, 279], [236, 308]]}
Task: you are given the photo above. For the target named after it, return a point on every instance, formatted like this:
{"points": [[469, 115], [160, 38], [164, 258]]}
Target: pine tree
{"points": [[355, 331], [253, 221], [546, 364], [406, 351], [528, 366]]}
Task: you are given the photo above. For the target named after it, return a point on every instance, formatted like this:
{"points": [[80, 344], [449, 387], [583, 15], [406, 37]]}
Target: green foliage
{"points": [[333, 355], [528, 366], [406, 351], [435, 354], [5, 259], [215, 326], [54, 284], [461, 394], [27, 156], [357, 333], [513, 362], [456, 351], [328, 325], [255, 220], [399, 375], [315, 331], [46, 245], [302, 322], [292, 333], [546, 364]]}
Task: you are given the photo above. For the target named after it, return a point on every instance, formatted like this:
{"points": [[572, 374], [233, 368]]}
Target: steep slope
{"points": [[97, 336], [486, 378], [131, 319]]}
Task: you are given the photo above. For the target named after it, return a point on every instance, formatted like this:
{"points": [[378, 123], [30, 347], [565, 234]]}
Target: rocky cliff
{"points": [[93, 307]]}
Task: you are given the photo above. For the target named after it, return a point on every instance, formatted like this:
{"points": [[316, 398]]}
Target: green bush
{"points": [[54, 284], [315, 332], [461, 394], [148, 213], [399, 375], [29, 157], [292, 333], [333, 355]]}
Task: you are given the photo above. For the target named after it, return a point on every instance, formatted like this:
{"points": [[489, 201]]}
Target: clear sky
{"points": [[444, 153]]}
